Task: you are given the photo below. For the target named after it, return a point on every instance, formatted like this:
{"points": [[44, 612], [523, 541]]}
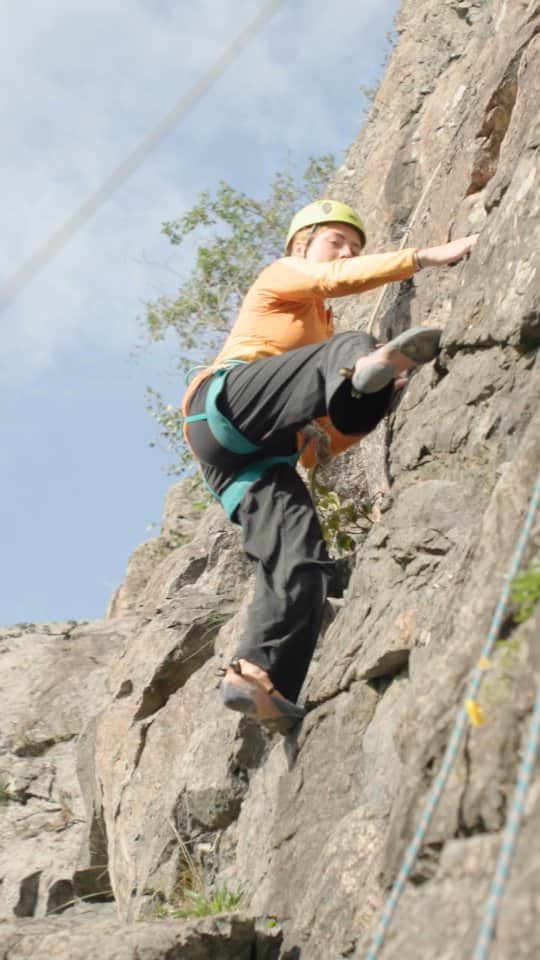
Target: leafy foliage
{"points": [[5, 793], [196, 904], [201, 904], [239, 235], [525, 593], [341, 521], [236, 237], [191, 896]]}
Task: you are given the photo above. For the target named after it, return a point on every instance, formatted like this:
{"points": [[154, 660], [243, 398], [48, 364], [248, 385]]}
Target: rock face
{"points": [[313, 827], [53, 679], [220, 938]]}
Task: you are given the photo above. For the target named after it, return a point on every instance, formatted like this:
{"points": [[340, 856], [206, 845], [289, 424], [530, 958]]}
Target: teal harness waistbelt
{"points": [[231, 439]]}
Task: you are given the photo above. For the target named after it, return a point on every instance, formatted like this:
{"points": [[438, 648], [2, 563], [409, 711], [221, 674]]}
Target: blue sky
{"points": [[82, 83]]}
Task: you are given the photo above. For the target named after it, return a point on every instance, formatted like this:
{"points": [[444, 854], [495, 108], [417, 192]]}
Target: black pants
{"points": [[268, 401]]}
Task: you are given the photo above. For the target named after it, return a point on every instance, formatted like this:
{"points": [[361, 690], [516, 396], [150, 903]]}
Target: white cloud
{"points": [[84, 82]]}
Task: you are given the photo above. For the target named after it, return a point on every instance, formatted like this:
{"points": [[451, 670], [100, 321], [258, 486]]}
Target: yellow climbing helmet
{"points": [[324, 211]]}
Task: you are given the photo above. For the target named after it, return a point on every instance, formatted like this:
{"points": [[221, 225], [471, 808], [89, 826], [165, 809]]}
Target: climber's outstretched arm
{"points": [[447, 253]]}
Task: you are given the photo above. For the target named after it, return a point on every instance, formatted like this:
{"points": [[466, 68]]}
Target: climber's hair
{"points": [[302, 239]]}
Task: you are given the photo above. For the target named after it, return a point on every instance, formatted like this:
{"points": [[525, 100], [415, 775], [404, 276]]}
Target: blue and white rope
{"points": [[456, 736], [510, 836]]}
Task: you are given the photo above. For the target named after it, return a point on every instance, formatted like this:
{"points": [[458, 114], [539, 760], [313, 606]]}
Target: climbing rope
{"points": [[510, 836], [61, 236], [451, 752], [404, 239]]}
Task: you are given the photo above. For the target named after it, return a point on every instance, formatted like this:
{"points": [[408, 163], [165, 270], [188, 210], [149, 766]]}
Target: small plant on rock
{"points": [[341, 521], [5, 794], [208, 903], [525, 593], [205, 498], [191, 895]]}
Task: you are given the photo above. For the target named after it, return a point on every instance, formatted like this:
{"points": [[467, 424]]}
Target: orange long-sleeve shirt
{"points": [[285, 309]]}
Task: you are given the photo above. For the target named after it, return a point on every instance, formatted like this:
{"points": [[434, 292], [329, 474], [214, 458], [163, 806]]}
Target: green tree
{"points": [[235, 237]]}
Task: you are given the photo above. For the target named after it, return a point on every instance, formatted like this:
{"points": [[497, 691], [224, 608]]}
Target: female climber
{"points": [[282, 367]]}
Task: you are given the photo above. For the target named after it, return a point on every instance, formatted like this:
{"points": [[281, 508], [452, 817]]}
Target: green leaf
{"points": [[525, 593]]}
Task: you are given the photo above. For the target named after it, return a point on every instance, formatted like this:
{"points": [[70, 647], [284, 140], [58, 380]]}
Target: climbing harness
{"points": [[232, 440], [223, 430], [449, 758]]}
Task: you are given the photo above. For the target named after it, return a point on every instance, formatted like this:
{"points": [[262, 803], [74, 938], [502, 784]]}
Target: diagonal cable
{"points": [[63, 234]]}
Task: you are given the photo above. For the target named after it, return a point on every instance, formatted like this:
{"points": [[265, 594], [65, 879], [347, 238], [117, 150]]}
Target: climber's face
{"points": [[334, 241]]}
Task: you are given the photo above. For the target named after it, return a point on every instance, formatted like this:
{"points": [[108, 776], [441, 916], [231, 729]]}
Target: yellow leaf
{"points": [[484, 663], [475, 713]]}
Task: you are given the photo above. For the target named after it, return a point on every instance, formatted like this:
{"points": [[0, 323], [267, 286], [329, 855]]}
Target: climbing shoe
{"points": [[258, 700], [420, 344]]}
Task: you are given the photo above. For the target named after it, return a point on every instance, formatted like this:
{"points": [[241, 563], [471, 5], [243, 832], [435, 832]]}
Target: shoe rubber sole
{"points": [[239, 700], [235, 699], [420, 345]]}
